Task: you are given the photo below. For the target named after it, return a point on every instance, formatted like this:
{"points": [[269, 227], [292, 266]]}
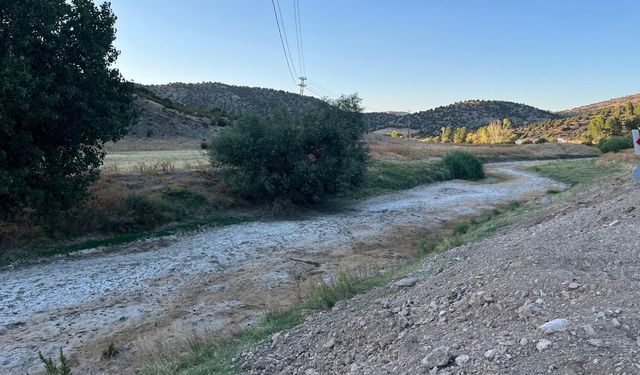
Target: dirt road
{"points": [[171, 286]]}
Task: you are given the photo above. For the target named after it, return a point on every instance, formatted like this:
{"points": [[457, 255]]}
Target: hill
{"points": [[470, 113], [214, 96], [574, 122], [611, 103]]}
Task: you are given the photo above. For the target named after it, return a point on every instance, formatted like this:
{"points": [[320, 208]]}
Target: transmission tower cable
{"points": [[318, 87], [282, 41], [286, 40], [296, 11]]}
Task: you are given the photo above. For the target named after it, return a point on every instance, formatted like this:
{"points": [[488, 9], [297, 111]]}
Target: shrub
{"points": [[204, 145], [615, 144], [298, 158], [464, 165]]}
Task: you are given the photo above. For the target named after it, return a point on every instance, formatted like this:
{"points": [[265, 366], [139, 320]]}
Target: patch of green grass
{"points": [[400, 175], [385, 176], [580, 172]]}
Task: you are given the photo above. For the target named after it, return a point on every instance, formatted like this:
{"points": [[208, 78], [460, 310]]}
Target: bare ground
{"points": [[165, 288], [479, 308]]}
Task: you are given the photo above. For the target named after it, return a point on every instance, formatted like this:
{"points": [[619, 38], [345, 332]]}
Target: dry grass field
{"points": [[384, 147]]}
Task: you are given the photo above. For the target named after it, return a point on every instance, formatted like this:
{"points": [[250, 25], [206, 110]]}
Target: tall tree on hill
{"points": [[597, 129], [613, 126], [60, 101]]}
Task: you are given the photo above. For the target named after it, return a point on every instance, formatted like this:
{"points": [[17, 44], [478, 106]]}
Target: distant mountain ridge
{"points": [[207, 106], [242, 99], [470, 113]]}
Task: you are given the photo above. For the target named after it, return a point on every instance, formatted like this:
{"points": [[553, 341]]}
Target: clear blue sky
{"points": [[398, 55]]}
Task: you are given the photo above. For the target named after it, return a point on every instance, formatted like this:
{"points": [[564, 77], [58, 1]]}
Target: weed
{"points": [[461, 229], [111, 351], [52, 369]]}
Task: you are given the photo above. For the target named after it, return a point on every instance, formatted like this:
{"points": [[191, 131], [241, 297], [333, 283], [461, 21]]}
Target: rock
{"points": [[597, 343], [574, 285], [491, 354], [407, 282], [462, 360], [439, 357], [329, 344], [555, 325], [311, 371], [588, 330], [486, 297], [616, 323], [275, 338], [524, 342], [528, 310], [543, 344]]}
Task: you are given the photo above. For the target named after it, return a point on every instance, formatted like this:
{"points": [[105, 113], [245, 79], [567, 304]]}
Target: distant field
{"points": [[385, 148], [382, 148], [132, 161]]}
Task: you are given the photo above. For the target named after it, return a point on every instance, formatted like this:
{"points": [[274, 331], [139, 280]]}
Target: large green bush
{"points": [[464, 165], [615, 144], [300, 158]]}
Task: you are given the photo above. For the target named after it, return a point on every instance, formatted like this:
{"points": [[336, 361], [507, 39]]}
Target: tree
{"points": [[446, 134], [597, 129], [629, 110], [299, 159], [60, 101], [613, 126], [460, 135]]}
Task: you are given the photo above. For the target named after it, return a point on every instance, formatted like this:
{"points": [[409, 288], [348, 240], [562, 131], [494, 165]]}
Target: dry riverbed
{"points": [[165, 288]]}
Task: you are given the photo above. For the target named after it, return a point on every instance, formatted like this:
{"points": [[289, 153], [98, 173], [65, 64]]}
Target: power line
{"points": [[296, 11], [286, 57], [318, 87], [286, 40]]}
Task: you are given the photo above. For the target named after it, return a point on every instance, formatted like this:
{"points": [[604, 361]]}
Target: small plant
{"points": [[204, 145], [53, 369], [464, 165], [615, 144], [111, 351], [149, 133], [460, 229]]}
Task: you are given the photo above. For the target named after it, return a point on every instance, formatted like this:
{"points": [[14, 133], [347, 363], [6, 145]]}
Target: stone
{"points": [[543, 345], [275, 338], [439, 357], [407, 282], [491, 354], [524, 342], [597, 343], [555, 325], [588, 330], [329, 344], [574, 285], [462, 360], [616, 323]]}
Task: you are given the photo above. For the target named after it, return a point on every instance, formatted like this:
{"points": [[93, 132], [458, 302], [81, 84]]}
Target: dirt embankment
{"points": [[218, 277], [557, 293]]}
